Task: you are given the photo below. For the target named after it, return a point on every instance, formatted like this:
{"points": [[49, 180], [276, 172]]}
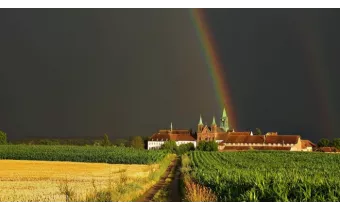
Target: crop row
{"points": [[115, 155], [268, 176]]}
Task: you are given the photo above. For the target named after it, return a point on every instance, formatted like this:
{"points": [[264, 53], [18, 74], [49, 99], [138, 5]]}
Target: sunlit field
{"points": [[22, 180], [114, 155], [267, 175]]}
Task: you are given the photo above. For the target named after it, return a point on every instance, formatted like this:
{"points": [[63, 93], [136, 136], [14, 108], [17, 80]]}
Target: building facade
{"points": [[180, 136], [230, 140]]}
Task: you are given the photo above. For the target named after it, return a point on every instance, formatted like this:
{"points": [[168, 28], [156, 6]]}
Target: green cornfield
{"points": [[114, 155], [268, 175]]}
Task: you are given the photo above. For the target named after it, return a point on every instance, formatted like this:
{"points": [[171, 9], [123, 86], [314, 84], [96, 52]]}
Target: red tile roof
{"points": [[240, 133], [242, 148], [275, 139], [328, 149], [180, 131], [244, 139], [280, 139], [182, 137], [170, 136], [306, 143], [160, 137]]}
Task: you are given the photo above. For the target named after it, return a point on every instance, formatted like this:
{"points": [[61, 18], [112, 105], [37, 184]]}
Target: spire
{"points": [[171, 126], [224, 113], [213, 122], [200, 122], [224, 121]]}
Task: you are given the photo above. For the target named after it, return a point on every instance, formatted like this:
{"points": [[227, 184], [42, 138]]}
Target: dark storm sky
{"points": [[86, 72]]}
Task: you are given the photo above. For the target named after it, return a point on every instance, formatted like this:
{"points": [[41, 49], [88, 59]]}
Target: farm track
{"points": [[174, 185]]}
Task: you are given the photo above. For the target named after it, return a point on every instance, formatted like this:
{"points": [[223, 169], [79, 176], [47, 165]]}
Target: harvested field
{"points": [[22, 180]]}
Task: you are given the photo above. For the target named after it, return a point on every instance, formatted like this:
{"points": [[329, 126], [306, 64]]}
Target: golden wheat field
{"points": [[22, 180]]}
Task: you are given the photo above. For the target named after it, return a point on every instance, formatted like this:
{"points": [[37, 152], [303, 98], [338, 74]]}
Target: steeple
{"points": [[200, 122], [213, 122], [224, 121], [200, 125], [224, 113], [213, 125]]}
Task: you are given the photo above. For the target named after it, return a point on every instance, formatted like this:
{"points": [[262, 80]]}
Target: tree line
{"points": [[172, 147], [139, 142], [329, 143]]}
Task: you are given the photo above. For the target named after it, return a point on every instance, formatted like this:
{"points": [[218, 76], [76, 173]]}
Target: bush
{"points": [[3, 137], [207, 146], [184, 148], [323, 142], [170, 146], [137, 142], [106, 142]]}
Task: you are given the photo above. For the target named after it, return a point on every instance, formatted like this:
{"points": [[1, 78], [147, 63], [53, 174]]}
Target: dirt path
{"points": [[174, 190], [162, 184]]}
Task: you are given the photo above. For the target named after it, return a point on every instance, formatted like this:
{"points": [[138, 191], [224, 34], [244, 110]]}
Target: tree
{"points": [[201, 146], [137, 142], [184, 148], [258, 131], [207, 146], [211, 146], [323, 142], [336, 143], [3, 137], [106, 141], [170, 146]]}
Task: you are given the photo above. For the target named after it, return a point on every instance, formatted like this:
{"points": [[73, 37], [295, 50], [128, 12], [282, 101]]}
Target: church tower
{"points": [[213, 126], [200, 125], [224, 121]]}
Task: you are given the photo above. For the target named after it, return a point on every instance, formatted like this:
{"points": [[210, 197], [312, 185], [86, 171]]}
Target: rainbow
{"points": [[318, 74], [213, 63]]}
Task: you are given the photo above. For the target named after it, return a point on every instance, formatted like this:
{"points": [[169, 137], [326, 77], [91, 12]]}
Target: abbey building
{"points": [[228, 139]]}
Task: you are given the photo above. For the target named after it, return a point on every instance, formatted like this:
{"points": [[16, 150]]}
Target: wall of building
{"points": [[185, 142], [158, 144], [297, 147], [155, 144]]}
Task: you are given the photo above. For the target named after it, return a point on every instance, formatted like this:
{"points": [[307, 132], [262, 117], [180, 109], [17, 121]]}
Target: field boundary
{"points": [[150, 193]]}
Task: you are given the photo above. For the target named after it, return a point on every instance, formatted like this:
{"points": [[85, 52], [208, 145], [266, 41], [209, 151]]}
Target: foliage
{"points": [[137, 142], [80, 141], [258, 131], [48, 142], [207, 146], [184, 148], [121, 142], [3, 137], [122, 155], [170, 146], [106, 142], [268, 175], [336, 143], [323, 142]]}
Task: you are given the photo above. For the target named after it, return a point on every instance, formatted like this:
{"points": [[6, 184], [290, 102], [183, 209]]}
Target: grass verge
{"points": [[190, 190], [126, 189], [163, 195]]}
